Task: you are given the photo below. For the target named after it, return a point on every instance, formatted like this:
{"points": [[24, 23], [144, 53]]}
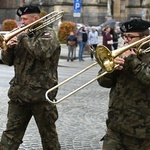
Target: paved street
{"points": [[81, 122]]}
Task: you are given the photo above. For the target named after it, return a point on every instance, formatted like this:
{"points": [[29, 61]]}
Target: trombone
{"points": [[105, 58], [45, 21]]}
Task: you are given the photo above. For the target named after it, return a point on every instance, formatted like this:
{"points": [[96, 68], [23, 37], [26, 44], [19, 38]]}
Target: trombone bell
{"points": [[105, 58]]}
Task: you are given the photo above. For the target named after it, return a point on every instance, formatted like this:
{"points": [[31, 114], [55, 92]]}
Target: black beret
{"points": [[27, 9], [135, 25]]}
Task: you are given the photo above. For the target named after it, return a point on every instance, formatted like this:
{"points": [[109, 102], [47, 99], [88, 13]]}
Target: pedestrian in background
{"points": [[116, 36], [72, 44], [82, 36], [35, 58], [93, 39], [107, 37], [128, 120]]}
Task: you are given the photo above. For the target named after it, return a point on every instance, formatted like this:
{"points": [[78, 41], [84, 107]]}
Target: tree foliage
{"points": [[9, 24], [43, 13], [64, 30]]}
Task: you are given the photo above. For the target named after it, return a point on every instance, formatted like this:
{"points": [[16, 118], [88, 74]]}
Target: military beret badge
{"points": [[27, 9]]}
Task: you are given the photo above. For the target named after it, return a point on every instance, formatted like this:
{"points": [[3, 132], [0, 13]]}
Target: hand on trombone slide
{"points": [[120, 60]]}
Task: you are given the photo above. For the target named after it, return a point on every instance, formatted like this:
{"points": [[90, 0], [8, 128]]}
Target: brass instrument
{"points": [[45, 21], [105, 58]]}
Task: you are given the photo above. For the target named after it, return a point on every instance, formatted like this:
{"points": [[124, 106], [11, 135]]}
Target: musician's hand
{"points": [[128, 53], [119, 61], [12, 42]]}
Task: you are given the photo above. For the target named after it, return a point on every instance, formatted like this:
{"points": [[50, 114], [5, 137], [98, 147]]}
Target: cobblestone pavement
{"points": [[82, 116]]}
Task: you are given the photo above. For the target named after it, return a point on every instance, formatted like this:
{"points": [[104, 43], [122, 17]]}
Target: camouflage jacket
{"points": [[35, 59], [129, 104]]}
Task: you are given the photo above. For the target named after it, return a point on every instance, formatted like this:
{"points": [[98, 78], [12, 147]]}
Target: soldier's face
{"points": [[28, 18], [131, 37]]}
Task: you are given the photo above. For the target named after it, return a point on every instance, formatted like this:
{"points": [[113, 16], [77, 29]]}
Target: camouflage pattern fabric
{"points": [[35, 61], [19, 115], [115, 141], [129, 103]]}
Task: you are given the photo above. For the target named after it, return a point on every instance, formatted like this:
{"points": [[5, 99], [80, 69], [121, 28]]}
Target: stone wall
{"points": [[94, 12]]}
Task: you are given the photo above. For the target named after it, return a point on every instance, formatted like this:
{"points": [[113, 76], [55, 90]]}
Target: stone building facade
{"points": [[94, 12], [146, 10]]}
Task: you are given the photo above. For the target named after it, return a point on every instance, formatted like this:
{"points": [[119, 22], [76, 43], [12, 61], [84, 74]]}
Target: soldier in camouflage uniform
{"points": [[128, 123], [35, 58]]}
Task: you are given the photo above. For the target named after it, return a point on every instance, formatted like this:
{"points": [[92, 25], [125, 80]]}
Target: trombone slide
{"points": [[46, 20], [105, 58]]}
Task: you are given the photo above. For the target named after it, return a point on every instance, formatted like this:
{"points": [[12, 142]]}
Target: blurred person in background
{"points": [[82, 36], [93, 39], [107, 37], [72, 44], [116, 36]]}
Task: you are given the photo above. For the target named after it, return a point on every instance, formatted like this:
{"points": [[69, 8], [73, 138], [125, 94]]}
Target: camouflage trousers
{"points": [[115, 141], [19, 115]]}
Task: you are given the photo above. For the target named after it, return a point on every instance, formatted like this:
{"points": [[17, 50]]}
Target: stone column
{"points": [[117, 9], [109, 16]]}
